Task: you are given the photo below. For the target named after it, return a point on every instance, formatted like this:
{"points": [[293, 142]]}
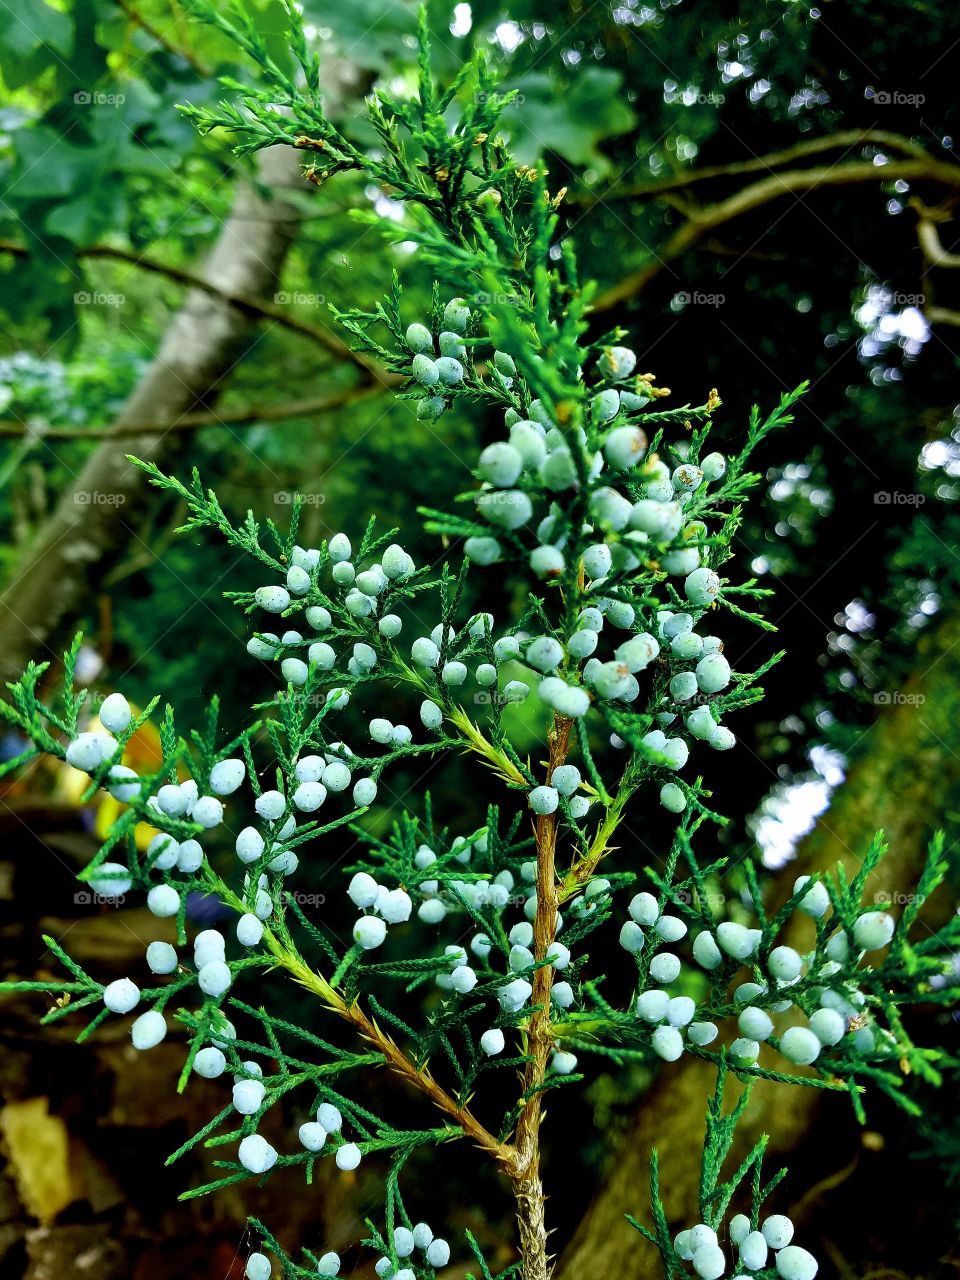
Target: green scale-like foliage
{"points": [[626, 524]]}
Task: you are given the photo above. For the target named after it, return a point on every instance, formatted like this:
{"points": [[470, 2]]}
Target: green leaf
{"points": [[571, 123]]}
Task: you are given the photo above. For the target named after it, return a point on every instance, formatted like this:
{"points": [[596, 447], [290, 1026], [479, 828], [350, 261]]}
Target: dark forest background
{"points": [[765, 193]]}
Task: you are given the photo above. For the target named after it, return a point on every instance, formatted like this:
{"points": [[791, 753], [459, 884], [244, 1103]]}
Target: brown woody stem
{"points": [[527, 1186]]}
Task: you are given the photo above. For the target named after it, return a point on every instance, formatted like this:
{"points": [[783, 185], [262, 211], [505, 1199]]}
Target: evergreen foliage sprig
{"points": [[618, 521]]}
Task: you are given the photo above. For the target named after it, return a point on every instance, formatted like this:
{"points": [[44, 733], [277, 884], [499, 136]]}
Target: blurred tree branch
{"points": [[702, 220], [286, 410], [245, 302]]}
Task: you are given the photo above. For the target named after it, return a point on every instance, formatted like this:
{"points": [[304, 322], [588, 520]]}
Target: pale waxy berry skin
{"points": [[208, 945], [745, 1050], [670, 928], [709, 1262], [438, 1253], [362, 890], [735, 940], [739, 1228], [705, 950], [258, 1267], [348, 1156], [329, 1116], [702, 1033], [88, 751], [702, 586], [672, 798], [816, 902], [115, 713], [753, 1251], [828, 1026], [403, 1242], [312, 1136], [784, 963], [226, 776], [248, 1097], [543, 800], [328, 1264], [271, 805], [777, 1230], [800, 1046], [215, 978], [794, 1263], [161, 958], [492, 1042], [665, 967], [256, 1154], [667, 1043], [148, 1030], [563, 1063], [369, 932], [210, 1063], [755, 1023], [652, 1006], [873, 930], [121, 996], [163, 901]]}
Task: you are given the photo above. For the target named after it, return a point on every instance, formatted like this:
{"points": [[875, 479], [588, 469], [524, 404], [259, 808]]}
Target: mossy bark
{"points": [[905, 780]]}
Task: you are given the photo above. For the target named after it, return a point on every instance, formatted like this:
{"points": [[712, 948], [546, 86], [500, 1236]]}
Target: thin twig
{"points": [[528, 1187], [757, 194], [756, 164], [195, 421], [258, 308]]}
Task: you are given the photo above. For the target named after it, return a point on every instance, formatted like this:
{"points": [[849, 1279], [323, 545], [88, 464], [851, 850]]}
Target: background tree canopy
{"points": [[765, 192]]}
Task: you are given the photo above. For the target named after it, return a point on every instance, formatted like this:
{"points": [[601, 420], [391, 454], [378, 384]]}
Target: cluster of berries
{"points": [[700, 1247], [842, 1006]]}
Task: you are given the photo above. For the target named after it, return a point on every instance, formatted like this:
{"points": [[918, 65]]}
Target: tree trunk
{"points": [[904, 779], [97, 515]]}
